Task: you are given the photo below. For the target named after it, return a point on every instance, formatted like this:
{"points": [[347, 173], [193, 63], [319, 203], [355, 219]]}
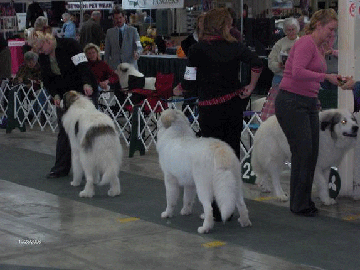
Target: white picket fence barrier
{"points": [[34, 107]]}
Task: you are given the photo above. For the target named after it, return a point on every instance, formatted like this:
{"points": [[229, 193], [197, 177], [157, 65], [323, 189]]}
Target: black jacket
{"points": [[73, 77], [33, 12], [217, 66], [91, 32], [187, 42]]}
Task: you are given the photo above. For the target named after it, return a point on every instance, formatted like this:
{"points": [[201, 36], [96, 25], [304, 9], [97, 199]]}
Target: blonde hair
{"points": [[40, 23], [92, 46], [199, 20], [37, 38], [216, 23], [324, 16]]}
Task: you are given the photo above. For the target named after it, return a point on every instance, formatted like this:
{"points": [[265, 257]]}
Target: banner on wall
{"points": [[152, 4], [90, 5], [282, 4]]}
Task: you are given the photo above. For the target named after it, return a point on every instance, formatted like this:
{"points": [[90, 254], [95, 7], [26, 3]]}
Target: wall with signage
{"points": [[89, 5]]}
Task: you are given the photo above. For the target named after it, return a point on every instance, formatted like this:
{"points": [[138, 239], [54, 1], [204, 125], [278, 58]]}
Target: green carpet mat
{"points": [[323, 242]]}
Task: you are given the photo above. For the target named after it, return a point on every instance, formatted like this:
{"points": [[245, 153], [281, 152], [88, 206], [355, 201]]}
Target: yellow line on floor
{"points": [[260, 199], [126, 220], [214, 244], [351, 218]]}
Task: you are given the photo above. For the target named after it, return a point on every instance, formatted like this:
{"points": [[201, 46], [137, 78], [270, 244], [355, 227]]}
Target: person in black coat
{"points": [[64, 67], [194, 37], [213, 71], [33, 12]]}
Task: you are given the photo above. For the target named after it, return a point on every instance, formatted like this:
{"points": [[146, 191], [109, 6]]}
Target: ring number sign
{"points": [[248, 175], [334, 183]]}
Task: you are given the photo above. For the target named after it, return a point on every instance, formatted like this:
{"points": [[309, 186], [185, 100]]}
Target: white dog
{"points": [[126, 69], [338, 131], [207, 166], [95, 144]]}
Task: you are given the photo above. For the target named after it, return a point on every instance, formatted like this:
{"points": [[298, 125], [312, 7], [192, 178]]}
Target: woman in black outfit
{"points": [[213, 70], [64, 67]]}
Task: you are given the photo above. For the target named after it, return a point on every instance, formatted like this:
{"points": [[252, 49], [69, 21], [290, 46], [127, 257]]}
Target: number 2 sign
{"points": [[248, 175]]}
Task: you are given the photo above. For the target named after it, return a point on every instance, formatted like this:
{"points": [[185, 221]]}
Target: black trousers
{"points": [[298, 117], [63, 149], [224, 121]]}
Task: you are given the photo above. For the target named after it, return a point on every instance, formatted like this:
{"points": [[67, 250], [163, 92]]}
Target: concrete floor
{"points": [[60, 233]]}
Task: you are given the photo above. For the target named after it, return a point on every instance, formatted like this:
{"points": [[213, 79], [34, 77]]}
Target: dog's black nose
{"points": [[355, 129]]}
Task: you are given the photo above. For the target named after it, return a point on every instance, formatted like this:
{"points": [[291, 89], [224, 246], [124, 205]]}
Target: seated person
{"points": [[29, 74], [29, 71], [105, 76]]}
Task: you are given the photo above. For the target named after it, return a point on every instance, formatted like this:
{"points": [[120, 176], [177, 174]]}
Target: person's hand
{"points": [[57, 100], [88, 90], [136, 55], [246, 92], [329, 51], [178, 90], [104, 84], [349, 83], [333, 78]]}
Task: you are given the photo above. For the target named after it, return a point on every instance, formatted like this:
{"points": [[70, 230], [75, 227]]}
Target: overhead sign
{"points": [[90, 5], [152, 4]]}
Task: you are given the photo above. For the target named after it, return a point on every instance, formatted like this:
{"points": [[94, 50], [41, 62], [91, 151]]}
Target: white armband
{"points": [[138, 43], [190, 74], [79, 58]]}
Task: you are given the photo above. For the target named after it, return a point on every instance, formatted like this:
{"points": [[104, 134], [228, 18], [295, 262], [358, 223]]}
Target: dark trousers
{"points": [[298, 117], [63, 149], [224, 122]]}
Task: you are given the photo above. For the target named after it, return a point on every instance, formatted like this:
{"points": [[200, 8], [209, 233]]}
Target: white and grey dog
{"points": [[338, 132], [95, 144], [126, 69], [206, 166]]}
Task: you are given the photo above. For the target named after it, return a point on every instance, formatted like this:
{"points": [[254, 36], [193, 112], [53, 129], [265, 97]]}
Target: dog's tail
{"points": [[224, 185], [225, 192]]}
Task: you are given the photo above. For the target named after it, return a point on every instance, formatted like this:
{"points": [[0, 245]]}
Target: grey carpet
{"points": [[323, 242]]}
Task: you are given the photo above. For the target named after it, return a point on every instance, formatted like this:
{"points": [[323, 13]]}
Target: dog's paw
{"points": [[75, 183], [283, 198], [264, 188], [244, 222], [85, 194], [113, 192], [203, 229], [185, 211], [166, 215], [329, 201]]}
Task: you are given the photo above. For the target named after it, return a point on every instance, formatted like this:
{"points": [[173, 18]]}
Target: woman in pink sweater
{"points": [[296, 106]]}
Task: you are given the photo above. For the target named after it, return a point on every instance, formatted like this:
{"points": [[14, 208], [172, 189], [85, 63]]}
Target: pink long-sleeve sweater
{"points": [[304, 69]]}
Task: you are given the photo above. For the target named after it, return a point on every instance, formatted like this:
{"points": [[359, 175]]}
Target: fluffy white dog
{"points": [[126, 69], [207, 166], [338, 132], [95, 144]]}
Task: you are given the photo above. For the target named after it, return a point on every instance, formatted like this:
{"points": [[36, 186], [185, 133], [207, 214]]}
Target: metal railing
{"points": [[24, 106]]}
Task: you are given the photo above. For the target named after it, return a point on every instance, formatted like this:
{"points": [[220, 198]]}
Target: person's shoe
{"points": [[55, 175], [311, 212]]}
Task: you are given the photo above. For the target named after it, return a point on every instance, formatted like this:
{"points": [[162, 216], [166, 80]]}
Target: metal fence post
{"points": [[135, 142], [12, 121]]}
